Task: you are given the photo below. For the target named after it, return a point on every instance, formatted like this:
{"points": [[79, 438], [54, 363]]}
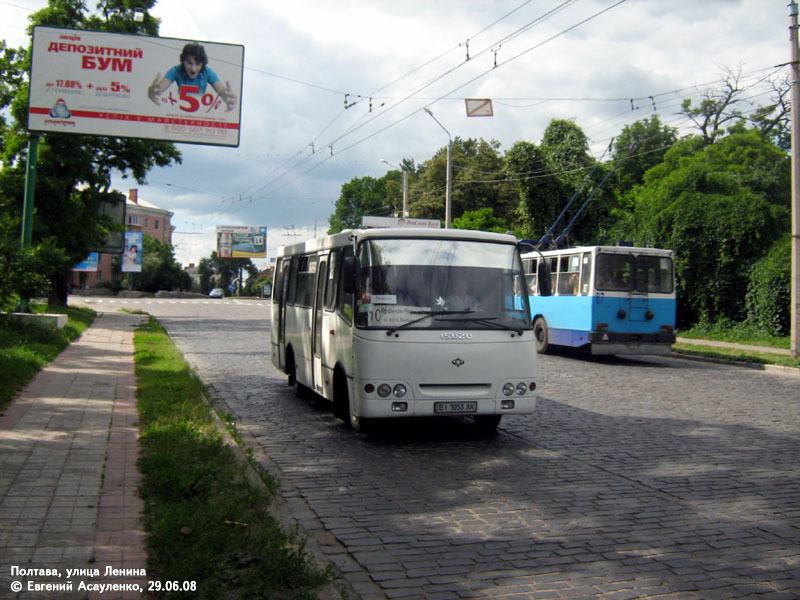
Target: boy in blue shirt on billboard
{"points": [[194, 71]]}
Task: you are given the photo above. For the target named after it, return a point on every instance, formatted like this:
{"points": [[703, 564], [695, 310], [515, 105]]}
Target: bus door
{"points": [[316, 333], [282, 295]]}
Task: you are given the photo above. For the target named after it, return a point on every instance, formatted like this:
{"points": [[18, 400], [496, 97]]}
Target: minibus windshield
{"points": [[440, 284]]}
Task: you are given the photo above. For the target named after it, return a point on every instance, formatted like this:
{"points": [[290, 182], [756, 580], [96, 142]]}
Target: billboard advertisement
{"points": [[241, 241], [90, 264], [368, 222], [132, 256], [98, 83]]}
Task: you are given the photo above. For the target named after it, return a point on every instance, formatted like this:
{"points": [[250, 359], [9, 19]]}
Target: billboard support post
{"points": [[30, 192], [26, 236]]}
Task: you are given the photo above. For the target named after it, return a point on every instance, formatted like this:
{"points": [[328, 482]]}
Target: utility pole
{"points": [[795, 301], [405, 193]]}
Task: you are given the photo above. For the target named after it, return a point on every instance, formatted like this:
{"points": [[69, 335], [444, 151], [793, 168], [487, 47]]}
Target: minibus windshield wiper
{"points": [[425, 314], [489, 322]]}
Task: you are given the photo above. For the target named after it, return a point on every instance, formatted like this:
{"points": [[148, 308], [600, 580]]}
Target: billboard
{"points": [[241, 241], [368, 222], [132, 256], [90, 264], [98, 83]]}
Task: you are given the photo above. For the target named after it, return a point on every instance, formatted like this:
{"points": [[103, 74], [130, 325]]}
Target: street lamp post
{"points": [[405, 187], [449, 185]]}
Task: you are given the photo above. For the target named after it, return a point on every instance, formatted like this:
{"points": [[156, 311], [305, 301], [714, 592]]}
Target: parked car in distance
{"points": [[216, 293]]}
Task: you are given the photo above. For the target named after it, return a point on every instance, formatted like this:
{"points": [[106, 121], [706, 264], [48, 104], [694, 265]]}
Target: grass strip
{"points": [[26, 348], [738, 333], [736, 355], [205, 521]]}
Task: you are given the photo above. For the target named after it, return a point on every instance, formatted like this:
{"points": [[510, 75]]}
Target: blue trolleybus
{"points": [[605, 299]]}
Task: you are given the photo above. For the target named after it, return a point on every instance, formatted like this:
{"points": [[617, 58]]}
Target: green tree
{"points": [[160, 270], [718, 111], [364, 196], [478, 181], [482, 219], [639, 147], [221, 272], [73, 171], [550, 175], [769, 290], [719, 206], [205, 269]]}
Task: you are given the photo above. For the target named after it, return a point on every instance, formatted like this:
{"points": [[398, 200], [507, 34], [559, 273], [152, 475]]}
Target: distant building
{"points": [[140, 215], [194, 272]]}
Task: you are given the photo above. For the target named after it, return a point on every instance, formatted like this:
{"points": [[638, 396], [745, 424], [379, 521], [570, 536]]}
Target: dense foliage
{"points": [[719, 198], [74, 172], [769, 291]]}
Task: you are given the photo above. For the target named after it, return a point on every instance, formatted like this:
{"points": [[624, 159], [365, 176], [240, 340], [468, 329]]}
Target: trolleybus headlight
{"points": [[508, 389], [400, 391], [384, 390], [521, 388]]}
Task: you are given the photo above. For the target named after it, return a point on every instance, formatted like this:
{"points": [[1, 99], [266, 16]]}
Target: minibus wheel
{"points": [[487, 423], [300, 390], [341, 398], [540, 331]]}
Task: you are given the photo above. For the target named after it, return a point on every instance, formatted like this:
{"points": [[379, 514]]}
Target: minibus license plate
{"points": [[455, 407]]}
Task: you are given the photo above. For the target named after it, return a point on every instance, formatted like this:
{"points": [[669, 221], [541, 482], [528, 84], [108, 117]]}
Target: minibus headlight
{"points": [[384, 390], [532, 386], [521, 388], [399, 391], [369, 388], [506, 404], [508, 389]]}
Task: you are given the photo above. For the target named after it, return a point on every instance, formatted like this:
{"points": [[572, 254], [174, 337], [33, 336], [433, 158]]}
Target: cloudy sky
{"points": [[332, 87]]}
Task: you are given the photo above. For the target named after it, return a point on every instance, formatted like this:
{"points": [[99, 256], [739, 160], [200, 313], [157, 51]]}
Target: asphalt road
{"points": [[636, 478]]}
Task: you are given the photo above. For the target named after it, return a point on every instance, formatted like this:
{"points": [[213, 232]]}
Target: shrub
{"points": [[769, 290]]}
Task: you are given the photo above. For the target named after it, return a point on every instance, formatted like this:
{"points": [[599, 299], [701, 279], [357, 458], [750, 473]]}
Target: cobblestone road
{"points": [[650, 478]]}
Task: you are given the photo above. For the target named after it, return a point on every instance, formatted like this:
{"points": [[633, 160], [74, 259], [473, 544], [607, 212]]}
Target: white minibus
{"points": [[404, 322]]}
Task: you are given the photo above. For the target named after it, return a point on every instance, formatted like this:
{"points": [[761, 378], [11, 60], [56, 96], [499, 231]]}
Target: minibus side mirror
{"points": [[349, 275], [543, 278]]}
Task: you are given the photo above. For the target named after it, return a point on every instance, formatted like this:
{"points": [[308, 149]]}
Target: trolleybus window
{"points": [[654, 274], [614, 272]]}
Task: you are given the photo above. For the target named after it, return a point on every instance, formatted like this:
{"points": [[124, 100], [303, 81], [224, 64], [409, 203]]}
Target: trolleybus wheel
{"points": [[540, 331]]}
